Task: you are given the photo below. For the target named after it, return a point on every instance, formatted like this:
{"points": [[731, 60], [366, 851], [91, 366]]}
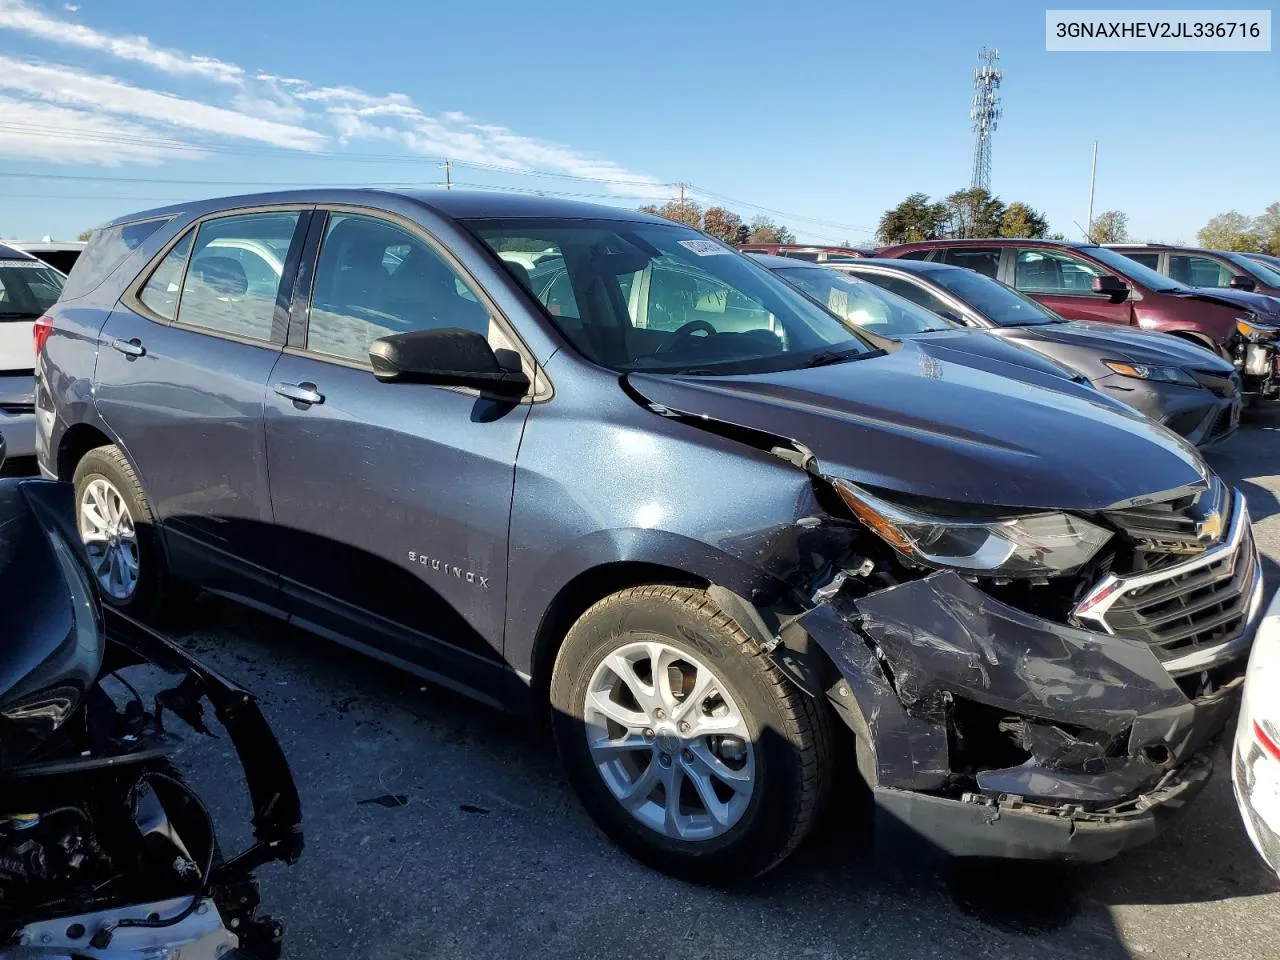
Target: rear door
{"points": [[392, 500], [184, 361], [1064, 283]]}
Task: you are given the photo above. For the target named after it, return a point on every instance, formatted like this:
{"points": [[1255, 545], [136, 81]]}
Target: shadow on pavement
{"points": [[408, 788]]}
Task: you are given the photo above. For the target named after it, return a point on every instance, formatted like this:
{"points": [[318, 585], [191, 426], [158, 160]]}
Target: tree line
{"points": [[976, 213], [1243, 234], [722, 223]]}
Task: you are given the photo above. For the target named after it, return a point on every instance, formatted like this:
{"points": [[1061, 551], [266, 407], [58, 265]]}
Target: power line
{"points": [[230, 150], [782, 213]]}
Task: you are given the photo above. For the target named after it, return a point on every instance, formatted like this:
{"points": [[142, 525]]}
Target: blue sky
{"points": [[829, 113]]}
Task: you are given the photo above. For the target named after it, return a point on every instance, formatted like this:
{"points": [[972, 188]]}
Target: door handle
{"points": [[130, 348], [299, 392]]}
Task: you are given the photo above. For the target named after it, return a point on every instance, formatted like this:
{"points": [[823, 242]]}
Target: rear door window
{"points": [[219, 293], [107, 249], [1199, 271], [910, 291], [984, 260], [1149, 260]]}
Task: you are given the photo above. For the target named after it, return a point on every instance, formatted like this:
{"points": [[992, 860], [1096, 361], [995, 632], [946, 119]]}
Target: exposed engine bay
{"points": [[105, 848]]}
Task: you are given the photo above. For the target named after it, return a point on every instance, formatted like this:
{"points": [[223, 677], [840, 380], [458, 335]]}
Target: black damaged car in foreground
{"points": [[105, 849]]}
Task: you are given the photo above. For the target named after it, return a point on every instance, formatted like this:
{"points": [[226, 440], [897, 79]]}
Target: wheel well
{"points": [[579, 594], [76, 442]]}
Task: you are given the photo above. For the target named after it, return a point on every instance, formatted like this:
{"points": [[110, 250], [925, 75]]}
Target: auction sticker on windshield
{"points": [[705, 248]]}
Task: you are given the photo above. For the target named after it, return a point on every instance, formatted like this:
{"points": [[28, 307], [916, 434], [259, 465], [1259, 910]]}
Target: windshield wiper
{"points": [[18, 315], [832, 356]]}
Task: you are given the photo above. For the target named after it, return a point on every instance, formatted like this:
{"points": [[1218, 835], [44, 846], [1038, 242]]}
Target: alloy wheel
{"points": [[109, 537], [669, 741]]}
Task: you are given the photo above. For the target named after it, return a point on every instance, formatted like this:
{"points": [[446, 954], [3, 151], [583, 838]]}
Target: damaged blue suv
{"points": [[566, 456]]}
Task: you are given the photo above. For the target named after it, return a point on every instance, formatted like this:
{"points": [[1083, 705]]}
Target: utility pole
{"points": [[448, 183], [1093, 176]]}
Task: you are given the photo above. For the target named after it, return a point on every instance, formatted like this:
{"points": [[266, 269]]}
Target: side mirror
{"points": [[1241, 282], [953, 317], [449, 357], [1111, 286]]}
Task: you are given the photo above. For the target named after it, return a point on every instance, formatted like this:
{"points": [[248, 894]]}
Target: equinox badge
{"points": [[448, 569]]}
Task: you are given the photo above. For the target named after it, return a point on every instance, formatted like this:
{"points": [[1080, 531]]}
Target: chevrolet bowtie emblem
{"points": [[1210, 528]]}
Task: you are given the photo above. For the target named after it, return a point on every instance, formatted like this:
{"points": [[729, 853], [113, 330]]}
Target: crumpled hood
{"points": [[1265, 307], [913, 422], [1114, 342]]}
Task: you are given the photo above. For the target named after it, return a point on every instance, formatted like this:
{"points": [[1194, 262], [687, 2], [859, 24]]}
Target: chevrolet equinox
{"points": [[716, 530]]}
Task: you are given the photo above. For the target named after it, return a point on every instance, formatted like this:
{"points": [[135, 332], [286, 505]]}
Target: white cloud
{"points": [[71, 7], [24, 18], [38, 131], [273, 109], [109, 95]]}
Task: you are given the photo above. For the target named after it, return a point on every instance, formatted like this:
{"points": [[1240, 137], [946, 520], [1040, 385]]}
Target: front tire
{"points": [[686, 745], [119, 533]]}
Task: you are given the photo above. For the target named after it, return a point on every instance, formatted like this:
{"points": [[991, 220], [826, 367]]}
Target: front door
{"points": [[392, 499], [1064, 283], [183, 364]]}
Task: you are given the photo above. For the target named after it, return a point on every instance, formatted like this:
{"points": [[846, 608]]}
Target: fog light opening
{"points": [[1157, 753]]}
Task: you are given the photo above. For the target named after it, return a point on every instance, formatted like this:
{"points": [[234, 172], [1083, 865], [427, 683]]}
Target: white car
{"points": [[61, 255], [1255, 766], [27, 289]]}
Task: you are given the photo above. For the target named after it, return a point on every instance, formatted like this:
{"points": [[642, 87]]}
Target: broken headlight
{"points": [[1033, 545]]}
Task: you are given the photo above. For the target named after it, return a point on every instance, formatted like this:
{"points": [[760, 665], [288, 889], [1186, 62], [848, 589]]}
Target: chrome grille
{"points": [[1196, 613]]}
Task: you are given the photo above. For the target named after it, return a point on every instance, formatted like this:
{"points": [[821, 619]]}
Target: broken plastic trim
{"points": [[904, 654], [277, 810]]}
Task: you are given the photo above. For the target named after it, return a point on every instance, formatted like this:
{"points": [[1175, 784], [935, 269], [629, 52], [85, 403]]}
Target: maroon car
{"points": [[1198, 267], [1084, 281]]}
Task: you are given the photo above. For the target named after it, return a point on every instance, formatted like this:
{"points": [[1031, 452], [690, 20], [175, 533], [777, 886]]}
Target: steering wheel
{"points": [[683, 334]]}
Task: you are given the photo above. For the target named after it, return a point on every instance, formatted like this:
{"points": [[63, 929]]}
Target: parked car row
{"points": [[1227, 302], [727, 528], [1176, 383]]}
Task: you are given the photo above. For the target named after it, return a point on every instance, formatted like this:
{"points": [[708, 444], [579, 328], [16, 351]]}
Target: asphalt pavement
{"points": [[437, 828]]}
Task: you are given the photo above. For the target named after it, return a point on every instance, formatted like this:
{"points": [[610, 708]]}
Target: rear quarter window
{"points": [[107, 249]]}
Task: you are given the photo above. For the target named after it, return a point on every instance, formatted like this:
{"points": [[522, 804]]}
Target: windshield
{"points": [[1135, 271], [1267, 274], [660, 298], [863, 303], [1003, 306], [27, 289]]}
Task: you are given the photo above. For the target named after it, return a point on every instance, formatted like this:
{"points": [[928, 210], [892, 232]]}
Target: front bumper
{"points": [[1255, 768], [1201, 415], [1010, 828], [1097, 744]]}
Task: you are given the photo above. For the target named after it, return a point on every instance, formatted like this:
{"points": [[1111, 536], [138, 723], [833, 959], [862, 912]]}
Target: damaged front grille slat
{"points": [[1199, 604]]}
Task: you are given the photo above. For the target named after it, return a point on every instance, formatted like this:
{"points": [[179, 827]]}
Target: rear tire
{"points": [[111, 511], [668, 662]]}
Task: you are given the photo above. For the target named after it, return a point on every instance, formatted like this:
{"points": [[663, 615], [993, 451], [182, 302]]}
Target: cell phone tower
{"points": [[985, 114]]}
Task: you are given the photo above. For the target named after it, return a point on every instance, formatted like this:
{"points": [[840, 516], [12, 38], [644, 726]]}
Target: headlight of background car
{"points": [[1147, 371], [1041, 544], [1251, 329]]}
